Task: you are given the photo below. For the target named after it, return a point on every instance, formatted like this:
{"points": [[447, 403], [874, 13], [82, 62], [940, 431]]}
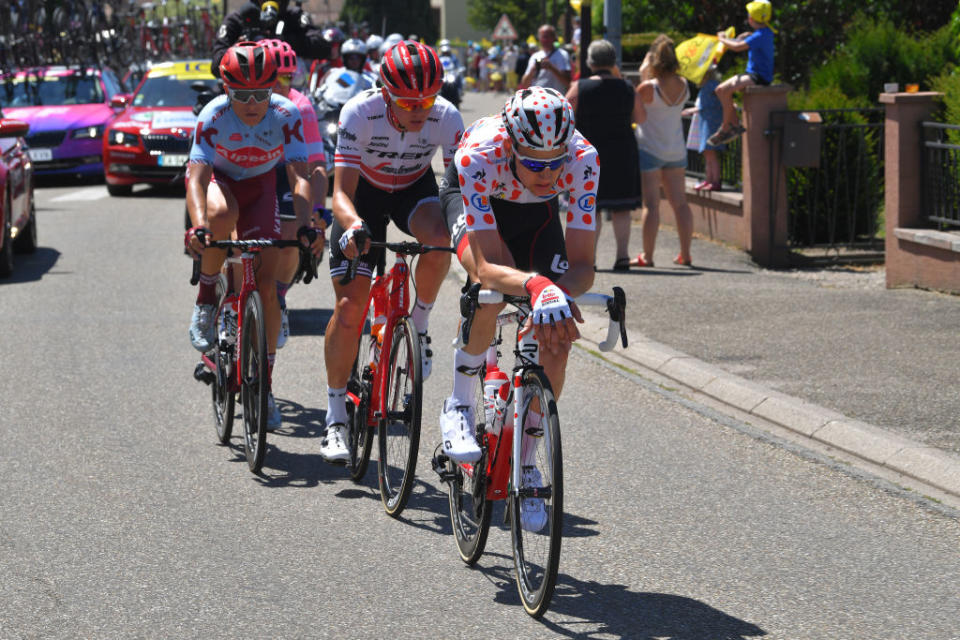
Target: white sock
{"points": [[465, 370], [421, 315], [336, 405]]}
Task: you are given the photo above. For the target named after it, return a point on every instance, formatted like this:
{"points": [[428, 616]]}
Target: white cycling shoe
{"points": [[333, 447], [457, 431], [533, 512]]}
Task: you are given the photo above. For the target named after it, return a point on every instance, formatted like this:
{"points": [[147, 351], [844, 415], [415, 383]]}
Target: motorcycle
{"points": [[452, 88], [338, 86]]}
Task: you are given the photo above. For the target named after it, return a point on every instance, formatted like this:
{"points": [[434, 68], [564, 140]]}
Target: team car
{"points": [[67, 109], [149, 141], [18, 224]]}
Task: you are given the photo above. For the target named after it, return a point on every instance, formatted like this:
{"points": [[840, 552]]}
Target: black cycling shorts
{"points": [[377, 207], [531, 230]]}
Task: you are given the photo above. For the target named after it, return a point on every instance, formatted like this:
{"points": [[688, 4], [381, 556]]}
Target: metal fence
{"points": [[941, 173], [835, 197]]}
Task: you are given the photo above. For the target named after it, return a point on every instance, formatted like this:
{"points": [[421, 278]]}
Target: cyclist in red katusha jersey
{"points": [[501, 200], [231, 182], [382, 171], [286, 60]]}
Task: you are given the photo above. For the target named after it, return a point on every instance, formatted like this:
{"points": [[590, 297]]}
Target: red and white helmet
{"points": [[283, 55], [248, 65], [411, 70], [539, 118]]}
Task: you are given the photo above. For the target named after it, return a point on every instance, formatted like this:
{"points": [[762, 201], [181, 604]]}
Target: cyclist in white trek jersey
{"points": [[382, 172]]}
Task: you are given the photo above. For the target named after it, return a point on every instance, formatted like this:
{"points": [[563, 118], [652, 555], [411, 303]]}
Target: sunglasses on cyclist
{"points": [[285, 79], [539, 164], [413, 104], [244, 95]]}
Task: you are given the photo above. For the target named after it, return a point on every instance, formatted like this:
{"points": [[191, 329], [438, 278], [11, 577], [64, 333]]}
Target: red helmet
{"points": [[283, 55], [248, 65], [411, 70]]}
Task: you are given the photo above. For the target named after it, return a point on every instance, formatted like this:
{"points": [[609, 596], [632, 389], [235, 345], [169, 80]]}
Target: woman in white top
{"points": [[663, 153]]}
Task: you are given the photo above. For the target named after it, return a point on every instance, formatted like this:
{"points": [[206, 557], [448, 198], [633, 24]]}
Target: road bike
{"points": [[525, 398], [386, 400], [240, 321]]}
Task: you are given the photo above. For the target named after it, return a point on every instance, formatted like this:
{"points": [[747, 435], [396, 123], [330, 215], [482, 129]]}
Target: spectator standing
{"points": [[523, 59], [606, 106], [759, 70], [663, 153], [707, 116], [510, 66], [549, 67]]}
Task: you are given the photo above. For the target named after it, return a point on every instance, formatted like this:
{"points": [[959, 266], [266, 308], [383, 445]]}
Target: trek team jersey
{"points": [[239, 151], [485, 171], [387, 158]]}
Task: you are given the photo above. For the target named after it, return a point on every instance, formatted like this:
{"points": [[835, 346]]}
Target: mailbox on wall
{"points": [[802, 139]]}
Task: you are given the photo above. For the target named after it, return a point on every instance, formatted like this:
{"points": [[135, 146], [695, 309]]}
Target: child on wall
{"points": [[759, 70], [707, 117]]}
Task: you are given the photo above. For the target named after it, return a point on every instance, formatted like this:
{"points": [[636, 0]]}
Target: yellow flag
{"points": [[575, 5], [698, 53]]}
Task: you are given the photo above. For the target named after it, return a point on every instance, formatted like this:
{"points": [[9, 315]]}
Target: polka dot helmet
{"points": [[539, 118]]}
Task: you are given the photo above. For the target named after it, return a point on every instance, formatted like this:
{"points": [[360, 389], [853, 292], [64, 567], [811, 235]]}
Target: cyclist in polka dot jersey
{"points": [[501, 200]]}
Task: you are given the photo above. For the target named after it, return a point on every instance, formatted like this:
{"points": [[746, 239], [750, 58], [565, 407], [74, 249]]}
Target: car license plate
{"points": [[40, 155], [173, 160]]}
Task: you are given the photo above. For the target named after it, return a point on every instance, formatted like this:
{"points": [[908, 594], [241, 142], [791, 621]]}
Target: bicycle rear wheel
{"points": [[255, 384], [536, 549], [359, 384], [469, 508], [224, 399], [399, 436]]}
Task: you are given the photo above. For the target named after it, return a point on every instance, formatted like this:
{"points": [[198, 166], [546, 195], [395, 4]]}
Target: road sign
{"points": [[504, 29]]}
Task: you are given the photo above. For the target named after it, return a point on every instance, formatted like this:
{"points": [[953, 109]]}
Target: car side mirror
{"points": [[10, 128], [120, 101]]}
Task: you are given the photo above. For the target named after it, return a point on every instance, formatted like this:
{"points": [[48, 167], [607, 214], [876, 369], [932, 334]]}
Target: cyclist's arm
{"points": [[487, 247], [299, 176], [199, 175], [345, 180], [318, 180], [580, 255]]}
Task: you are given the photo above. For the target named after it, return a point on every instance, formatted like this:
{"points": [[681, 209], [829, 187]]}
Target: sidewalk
{"points": [[830, 355]]}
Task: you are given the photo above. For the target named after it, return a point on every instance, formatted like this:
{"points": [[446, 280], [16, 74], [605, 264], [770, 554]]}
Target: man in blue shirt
{"points": [[759, 71]]}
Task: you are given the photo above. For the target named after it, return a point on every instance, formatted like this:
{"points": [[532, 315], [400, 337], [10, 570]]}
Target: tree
{"points": [[408, 17], [523, 14]]}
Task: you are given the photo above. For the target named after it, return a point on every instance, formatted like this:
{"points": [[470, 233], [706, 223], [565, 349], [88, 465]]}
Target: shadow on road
{"points": [[309, 322], [617, 611], [29, 267]]}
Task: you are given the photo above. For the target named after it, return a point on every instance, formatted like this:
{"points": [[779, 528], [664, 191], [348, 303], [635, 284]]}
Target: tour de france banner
{"points": [[698, 53]]}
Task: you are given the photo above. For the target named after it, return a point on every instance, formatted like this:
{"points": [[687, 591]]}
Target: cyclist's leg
{"points": [[289, 257], [222, 214]]}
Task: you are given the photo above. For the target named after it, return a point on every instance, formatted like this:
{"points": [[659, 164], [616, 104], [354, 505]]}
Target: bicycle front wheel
{"points": [[469, 508], [359, 384], [399, 436], [536, 508], [255, 384], [224, 399]]}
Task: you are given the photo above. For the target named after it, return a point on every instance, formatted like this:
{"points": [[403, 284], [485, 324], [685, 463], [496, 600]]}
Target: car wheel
{"points": [[6, 247], [26, 241], [119, 190]]}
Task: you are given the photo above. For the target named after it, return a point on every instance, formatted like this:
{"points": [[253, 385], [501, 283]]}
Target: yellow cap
{"points": [[760, 10]]}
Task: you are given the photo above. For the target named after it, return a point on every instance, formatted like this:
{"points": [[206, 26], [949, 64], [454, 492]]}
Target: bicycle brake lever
{"points": [[468, 306], [620, 308], [195, 276]]}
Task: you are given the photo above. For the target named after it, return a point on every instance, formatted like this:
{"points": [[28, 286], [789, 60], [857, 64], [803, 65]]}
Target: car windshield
{"points": [[168, 91], [36, 90]]}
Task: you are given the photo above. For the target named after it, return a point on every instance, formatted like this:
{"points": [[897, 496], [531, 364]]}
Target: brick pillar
{"points": [[903, 158], [766, 239]]}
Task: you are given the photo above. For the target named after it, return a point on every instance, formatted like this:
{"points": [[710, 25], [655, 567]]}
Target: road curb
{"points": [[873, 444]]}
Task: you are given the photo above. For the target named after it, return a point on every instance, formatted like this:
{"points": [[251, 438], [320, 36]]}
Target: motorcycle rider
{"points": [[272, 19]]}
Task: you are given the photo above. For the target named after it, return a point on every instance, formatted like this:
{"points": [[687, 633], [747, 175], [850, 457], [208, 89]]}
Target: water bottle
{"points": [[494, 396]]}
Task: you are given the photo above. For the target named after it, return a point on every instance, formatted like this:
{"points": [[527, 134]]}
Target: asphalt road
{"points": [[121, 517]]}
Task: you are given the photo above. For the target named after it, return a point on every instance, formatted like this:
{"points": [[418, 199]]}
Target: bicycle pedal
{"points": [[202, 374]]}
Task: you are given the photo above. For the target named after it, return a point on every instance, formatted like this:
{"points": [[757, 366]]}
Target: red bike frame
{"points": [[389, 292]]}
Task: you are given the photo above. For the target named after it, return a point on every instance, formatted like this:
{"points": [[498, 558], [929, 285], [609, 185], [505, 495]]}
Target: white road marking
{"points": [[87, 193]]}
